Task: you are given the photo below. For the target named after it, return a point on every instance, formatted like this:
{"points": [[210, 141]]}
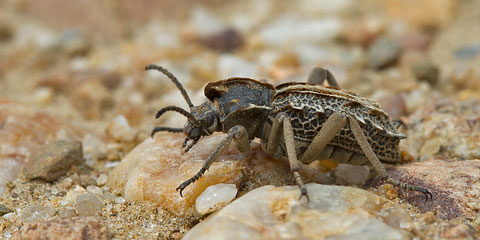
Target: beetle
{"points": [[299, 121]]}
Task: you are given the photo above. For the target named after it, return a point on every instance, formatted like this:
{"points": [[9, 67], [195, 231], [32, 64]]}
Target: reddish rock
{"points": [[454, 184], [64, 228]]}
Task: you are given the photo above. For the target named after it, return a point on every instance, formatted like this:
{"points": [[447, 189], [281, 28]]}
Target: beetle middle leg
{"points": [[237, 133], [318, 75], [377, 165]]}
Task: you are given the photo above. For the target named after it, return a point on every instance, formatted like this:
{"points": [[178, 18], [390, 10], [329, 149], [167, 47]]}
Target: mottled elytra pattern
{"points": [[309, 106]]}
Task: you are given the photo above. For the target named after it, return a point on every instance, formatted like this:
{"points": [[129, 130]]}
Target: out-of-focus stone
{"points": [[426, 71], [215, 197], [362, 32], [86, 181], [383, 52], [351, 174], [459, 231], [454, 185], [88, 204], [444, 128], [92, 98], [4, 210], [22, 129], [224, 41], [75, 228], [35, 213], [120, 130], [296, 30], [230, 66], [393, 104], [51, 161], [275, 213], [424, 13], [102, 179]]}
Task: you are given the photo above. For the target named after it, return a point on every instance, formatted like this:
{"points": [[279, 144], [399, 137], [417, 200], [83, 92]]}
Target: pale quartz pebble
{"points": [[95, 190], [67, 213], [35, 213], [215, 197], [88, 204], [351, 174], [120, 130], [268, 212], [120, 200], [43, 95], [101, 179]]}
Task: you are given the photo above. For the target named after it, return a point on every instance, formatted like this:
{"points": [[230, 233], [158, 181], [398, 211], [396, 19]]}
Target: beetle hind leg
{"points": [[292, 156], [318, 75], [377, 165]]}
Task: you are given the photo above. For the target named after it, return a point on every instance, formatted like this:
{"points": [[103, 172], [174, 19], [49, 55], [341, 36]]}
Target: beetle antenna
{"points": [[174, 80], [179, 110]]}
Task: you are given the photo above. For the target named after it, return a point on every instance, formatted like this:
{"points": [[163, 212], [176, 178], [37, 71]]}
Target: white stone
{"points": [[120, 129], [333, 212], [102, 179], [215, 197], [95, 190]]}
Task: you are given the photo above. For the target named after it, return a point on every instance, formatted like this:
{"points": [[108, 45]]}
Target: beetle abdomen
{"points": [[309, 106]]}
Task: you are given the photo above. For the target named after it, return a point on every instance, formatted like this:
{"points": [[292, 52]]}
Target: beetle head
{"points": [[202, 120]]}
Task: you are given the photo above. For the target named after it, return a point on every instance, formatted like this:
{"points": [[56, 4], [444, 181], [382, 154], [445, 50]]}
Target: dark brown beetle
{"points": [[300, 121]]}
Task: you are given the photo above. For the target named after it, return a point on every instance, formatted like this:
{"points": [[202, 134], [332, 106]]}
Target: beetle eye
{"points": [[210, 119]]}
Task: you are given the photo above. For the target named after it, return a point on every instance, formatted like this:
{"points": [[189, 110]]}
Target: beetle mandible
{"points": [[300, 121]]}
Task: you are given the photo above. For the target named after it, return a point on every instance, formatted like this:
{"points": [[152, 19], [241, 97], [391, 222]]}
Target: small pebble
{"points": [[350, 174], [53, 160], [383, 52], [4, 210], [101, 179], [35, 213], [225, 41], [88, 205], [426, 71], [67, 213], [120, 200], [95, 190], [120, 130], [87, 181], [215, 197]]}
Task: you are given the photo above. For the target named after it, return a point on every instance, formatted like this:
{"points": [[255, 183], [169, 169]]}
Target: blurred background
{"points": [[75, 69]]}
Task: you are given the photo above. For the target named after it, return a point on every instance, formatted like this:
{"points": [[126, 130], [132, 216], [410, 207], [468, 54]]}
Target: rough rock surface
{"points": [[64, 228], [156, 167], [454, 184], [333, 212], [445, 128], [22, 129], [52, 160]]}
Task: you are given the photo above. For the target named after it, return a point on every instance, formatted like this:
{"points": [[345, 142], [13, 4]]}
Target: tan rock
{"points": [[156, 167], [22, 129]]}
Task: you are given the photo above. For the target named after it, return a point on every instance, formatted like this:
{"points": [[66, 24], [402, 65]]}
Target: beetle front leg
{"points": [[377, 165], [318, 75], [236, 132]]}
